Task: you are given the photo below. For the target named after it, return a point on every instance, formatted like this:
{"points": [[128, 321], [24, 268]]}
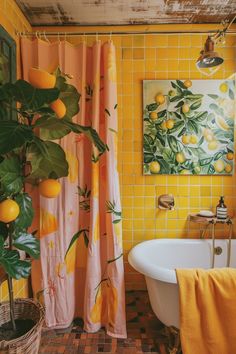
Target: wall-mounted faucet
{"points": [[166, 202]]}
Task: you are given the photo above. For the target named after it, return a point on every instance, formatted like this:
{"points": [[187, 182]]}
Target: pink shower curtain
{"points": [[88, 281]]}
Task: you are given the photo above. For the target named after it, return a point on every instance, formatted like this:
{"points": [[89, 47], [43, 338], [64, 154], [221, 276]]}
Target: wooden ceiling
{"points": [[123, 12]]}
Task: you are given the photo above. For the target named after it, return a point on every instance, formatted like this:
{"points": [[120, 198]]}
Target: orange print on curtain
{"points": [[70, 259], [73, 167], [48, 223], [106, 304]]}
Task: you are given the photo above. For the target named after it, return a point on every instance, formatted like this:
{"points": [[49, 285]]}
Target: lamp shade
{"points": [[208, 57]]}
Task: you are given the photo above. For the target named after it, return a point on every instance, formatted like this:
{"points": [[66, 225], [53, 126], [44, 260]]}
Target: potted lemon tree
{"points": [[44, 109]]}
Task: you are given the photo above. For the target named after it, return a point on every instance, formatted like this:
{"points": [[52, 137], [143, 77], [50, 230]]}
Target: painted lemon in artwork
{"points": [[219, 166], [154, 167], [187, 83], [180, 158], [185, 108], [163, 125], [153, 116], [9, 210], [228, 168], [185, 139], [230, 156], [170, 123], [223, 87], [193, 139], [160, 98], [213, 145], [222, 123], [184, 172]]}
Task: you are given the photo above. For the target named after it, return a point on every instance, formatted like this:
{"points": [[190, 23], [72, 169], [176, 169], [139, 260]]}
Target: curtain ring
{"points": [[45, 37], [37, 34]]}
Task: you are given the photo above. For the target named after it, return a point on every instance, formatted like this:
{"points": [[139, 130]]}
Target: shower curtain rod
{"points": [[120, 33]]}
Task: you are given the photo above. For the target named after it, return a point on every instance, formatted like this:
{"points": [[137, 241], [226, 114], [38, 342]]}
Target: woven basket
{"points": [[29, 342]]}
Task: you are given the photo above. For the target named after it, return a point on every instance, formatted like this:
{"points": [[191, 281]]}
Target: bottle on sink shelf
{"points": [[221, 209]]}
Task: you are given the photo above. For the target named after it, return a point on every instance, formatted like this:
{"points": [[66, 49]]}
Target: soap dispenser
{"points": [[221, 209]]}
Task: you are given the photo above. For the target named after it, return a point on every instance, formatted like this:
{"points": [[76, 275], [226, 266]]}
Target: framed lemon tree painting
{"points": [[188, 127]]}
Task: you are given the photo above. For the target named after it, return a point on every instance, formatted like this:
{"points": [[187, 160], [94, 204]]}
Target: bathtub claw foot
{"points": [[173, 335]]}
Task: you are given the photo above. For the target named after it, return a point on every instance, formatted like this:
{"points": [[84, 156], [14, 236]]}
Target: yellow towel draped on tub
{"points": [[207, 310]]}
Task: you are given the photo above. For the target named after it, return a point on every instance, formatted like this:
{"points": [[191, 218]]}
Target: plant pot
{"points": [[30, 341]]}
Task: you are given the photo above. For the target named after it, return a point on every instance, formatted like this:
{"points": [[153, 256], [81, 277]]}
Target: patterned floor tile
{"points": [[146, 335]]}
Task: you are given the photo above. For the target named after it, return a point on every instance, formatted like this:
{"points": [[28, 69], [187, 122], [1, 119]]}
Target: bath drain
{"points": [[218, 250]]}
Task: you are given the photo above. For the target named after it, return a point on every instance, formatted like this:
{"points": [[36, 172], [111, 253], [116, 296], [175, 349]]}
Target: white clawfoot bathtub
{"points": [[158, 259]]}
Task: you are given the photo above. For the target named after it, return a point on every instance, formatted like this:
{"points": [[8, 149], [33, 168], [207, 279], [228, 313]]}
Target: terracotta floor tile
{"points": [[146, 334]]}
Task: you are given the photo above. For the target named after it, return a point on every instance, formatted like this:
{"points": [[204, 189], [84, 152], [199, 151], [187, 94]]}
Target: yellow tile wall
{"points": [[12, 19], [150, 56]]}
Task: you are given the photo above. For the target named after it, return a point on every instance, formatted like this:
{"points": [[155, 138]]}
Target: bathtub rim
{"points": [[153, 271]]}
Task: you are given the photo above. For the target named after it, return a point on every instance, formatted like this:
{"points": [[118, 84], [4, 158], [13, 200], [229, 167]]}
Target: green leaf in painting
{"points": [[152, 106], [174, 144], [168, 155], [231, 94], [193, 126], [28, 243], [177, 126], [13, 135], [214, 97], [211, 170], [219, 155], [205, 161], [25, 218], [11, 178], [180, 104], [148, 157], [195, 105]]}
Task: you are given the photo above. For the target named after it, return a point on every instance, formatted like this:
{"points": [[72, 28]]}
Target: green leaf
{"points": [[178, 125], [180, 84], [114, 259], [174, 143], [10, 261], [11, 178], [231, 94], [107, 112], [52, 128], [219, 155], [69, 96], [116, 221], [43, 166], [162, 114], [3, 230], [176, 98], [214, 97], [148, 157], [193, 126], [168, 155], [152, 106], [196, 105], [205, 161], [25, 218], [211, 170], [200, 117], [180, 104], [90, 133], [28, 243], [13, 135], [194, 97], [30, 97], [74, 238]]}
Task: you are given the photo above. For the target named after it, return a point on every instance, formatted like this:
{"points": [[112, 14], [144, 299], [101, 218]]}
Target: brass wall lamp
{"points": [[209, 58]]}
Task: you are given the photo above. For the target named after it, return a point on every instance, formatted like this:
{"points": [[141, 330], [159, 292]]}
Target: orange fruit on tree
{"points": [[49, 188], [59, 108], [41, 78], [160, 98], [9, 210], [230, 156], [187, 83]]}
